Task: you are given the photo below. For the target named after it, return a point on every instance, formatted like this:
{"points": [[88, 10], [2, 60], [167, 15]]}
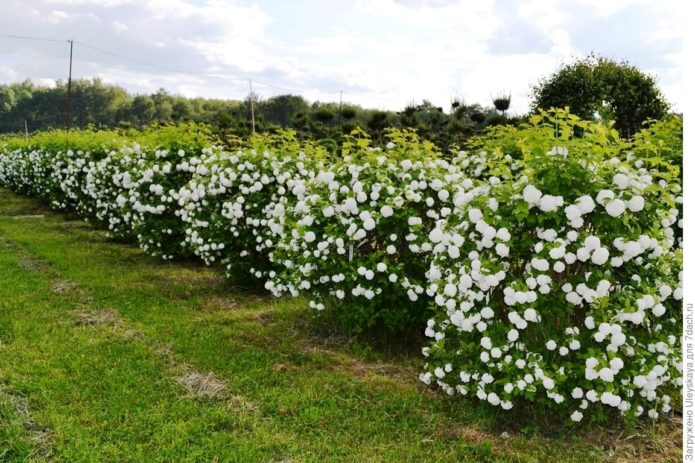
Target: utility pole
{"points": [[26, 129], [253, 116], [68, 117], [340, 109]]}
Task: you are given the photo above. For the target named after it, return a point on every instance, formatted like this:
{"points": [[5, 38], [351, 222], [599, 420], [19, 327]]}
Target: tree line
{"points": [[592, 87]]}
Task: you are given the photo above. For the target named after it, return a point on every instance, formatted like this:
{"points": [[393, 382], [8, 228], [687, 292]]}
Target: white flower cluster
{"points": [[553, 270], [357, 237], [568, 293]]}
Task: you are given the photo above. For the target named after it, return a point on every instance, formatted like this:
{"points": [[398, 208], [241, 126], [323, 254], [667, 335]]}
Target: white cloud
{"points": [[57, 16], [381, 53], [119, 26]]}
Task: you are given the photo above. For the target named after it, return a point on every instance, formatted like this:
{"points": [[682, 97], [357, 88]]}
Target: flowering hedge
{"points": [[570, 292], [355, 239], [544, 264]]}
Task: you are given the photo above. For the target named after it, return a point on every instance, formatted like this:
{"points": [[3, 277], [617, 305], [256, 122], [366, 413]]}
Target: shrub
{"points": [[568, 292], [547, 259], [356, 239], [231, 207]]}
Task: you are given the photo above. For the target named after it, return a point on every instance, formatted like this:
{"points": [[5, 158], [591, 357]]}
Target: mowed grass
{"points": [[107, 355]]}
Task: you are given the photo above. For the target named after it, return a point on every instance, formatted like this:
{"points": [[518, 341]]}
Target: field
{"points": [[107, 354]]}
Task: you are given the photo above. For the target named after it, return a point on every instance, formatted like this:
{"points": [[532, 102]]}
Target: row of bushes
{"points": [[545, 264]]}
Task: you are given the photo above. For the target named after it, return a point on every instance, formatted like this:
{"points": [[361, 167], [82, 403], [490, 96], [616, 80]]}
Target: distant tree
{"points": [[282, 109], [502, 103], [8, 99], [597, 87], [143, 110], [182, 109], [377, 122], [324, 115], [348, 113], [408, 117]]}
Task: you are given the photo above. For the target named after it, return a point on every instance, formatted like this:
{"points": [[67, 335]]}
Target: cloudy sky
{"points": [[380, 53]]}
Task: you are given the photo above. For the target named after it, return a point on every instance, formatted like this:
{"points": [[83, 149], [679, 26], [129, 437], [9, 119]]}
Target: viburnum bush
{"points": [[544, 263], [233, 207], [54, 166], [568, 289], [107, 183], [355, 240]]}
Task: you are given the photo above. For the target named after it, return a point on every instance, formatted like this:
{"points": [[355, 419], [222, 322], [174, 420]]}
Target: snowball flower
{"points": [[503, 234], [615, 207], [573, 212], [550, 203], [586, 204], [531, 315], [531, 194], [659, 310], [513, 335], [621, 181], [502, 250], [540, 264], [600, 256], [636, 203], [592, 242], [604, 196], [436, 235], [386, 211], [606, 374], [475, 215]]}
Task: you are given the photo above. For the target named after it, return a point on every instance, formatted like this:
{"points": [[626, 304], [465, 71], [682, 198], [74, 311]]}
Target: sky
{"points": [[379, 53]]}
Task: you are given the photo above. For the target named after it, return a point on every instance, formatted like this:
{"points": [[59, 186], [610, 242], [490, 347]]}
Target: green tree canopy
{"points": [[599, 87]]}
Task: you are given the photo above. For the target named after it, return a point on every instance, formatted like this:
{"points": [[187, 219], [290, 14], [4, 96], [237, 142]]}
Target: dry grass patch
{"points": [[264, 316], [100, 317], [241, 404], [40, 436], [662, 443], [199, 385], [28, 216], [63, 286], [31, 264], [217, 303], [361, 369]]}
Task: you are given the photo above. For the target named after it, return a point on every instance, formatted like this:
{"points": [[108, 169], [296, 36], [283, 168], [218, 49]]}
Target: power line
{"points": [[377, 97], [68, 120], [166, 68], [28, 37]]}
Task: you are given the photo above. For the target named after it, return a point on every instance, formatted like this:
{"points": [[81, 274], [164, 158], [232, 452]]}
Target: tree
{"points": [[143, 109], [596, 87], [282, 109], [502, 103], [182, 109]]}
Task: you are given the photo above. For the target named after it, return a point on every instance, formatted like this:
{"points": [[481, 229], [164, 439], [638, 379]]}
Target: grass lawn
{"points": [[107, 355]]}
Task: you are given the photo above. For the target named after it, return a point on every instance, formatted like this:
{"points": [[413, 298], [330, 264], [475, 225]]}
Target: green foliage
{"points": [[378, 235], [573, 275], [109, 389], [597, 86], [102, 106]]}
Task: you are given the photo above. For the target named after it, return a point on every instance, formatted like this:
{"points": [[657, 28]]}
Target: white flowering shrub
{"points": [[568, 292], [660, 147], [545, 264], [233, 207], [355, 239], [45, 166], [108, 182], [165, 161], [21, 170]]}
